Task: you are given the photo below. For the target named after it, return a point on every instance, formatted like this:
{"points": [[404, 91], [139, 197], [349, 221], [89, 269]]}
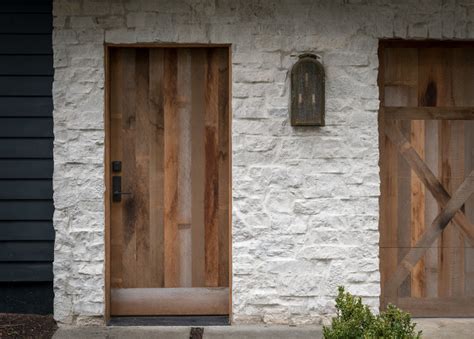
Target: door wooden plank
{"points": [[156, 123], [402, 77], [451, 278], [223, 247], [428, 75], [463, 89], [223, 167], [199, 71], [388, 235], [400, 74], [171, 151], [389, 217], [463, 79], [141, 194], [435, 77], [129, 273], [170, 301], [417, 198], [429, 113], [417, 140], [211, 188], [185, 255], [431, 207], [469, 208], [404, 198], [128, 90], [184, 170]]}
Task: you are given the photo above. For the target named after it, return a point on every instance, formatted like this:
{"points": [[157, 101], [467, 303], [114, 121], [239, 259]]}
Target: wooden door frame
{"points": [[108, 144]]}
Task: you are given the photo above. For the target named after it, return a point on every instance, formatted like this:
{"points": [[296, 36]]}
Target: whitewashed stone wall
{"points": [[305, 200]]}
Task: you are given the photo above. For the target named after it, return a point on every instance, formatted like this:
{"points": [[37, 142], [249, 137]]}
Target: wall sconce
{"points": [[307, 92]]}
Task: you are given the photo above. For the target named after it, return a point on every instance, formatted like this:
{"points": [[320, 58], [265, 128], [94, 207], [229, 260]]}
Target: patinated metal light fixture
{"points": [[307, 92]]}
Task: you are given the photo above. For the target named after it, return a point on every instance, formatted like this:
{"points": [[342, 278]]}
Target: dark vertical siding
{"points": [[26, 157]]}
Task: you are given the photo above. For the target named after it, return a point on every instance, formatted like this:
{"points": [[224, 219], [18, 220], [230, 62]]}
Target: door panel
{"points": [[170, 130], [426, 157]]}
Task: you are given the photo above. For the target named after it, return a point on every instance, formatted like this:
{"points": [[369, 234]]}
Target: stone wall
{"points": [[305, 200]]}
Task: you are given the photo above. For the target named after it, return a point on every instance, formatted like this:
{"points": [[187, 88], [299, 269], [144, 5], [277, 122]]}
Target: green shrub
{"points": [[355, 320]]}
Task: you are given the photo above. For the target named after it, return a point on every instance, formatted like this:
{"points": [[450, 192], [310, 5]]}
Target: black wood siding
{"points": [[26, 157]]}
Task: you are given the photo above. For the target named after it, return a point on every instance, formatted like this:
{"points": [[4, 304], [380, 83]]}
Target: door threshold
{"points": [[200, 320]]}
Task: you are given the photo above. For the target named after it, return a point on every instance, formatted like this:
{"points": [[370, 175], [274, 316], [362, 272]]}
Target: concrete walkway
{"points": [[432, 328], [451, 328], [181, 332]]}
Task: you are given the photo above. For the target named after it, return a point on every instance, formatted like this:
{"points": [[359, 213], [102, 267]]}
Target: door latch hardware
{"points": [[116, 166], [117, 189]]}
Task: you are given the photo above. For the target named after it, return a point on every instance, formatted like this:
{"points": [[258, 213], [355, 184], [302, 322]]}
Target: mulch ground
{"points": [[26, 326]]}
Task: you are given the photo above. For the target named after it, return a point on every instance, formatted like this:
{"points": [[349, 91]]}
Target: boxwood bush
{"points": [[355, 320]]}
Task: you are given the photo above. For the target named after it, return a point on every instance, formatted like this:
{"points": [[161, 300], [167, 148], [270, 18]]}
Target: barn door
{"points": [[427, 178], [169, 181]]}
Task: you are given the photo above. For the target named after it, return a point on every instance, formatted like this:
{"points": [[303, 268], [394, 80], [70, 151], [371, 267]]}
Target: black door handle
{"points": [[117, 189]]}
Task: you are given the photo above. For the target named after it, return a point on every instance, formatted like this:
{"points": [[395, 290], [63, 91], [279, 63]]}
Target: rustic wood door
{"points": [[427, 179], [170, 181]]}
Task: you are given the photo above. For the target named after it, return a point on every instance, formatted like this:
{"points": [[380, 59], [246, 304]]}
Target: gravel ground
{"points": [[26, 326]]}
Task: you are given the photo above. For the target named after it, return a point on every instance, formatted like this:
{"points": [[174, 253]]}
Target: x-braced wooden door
{"points": [[170, 181], [427, 178]]}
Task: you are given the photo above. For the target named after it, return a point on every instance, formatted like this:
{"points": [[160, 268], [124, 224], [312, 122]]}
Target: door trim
{"points": [[170, 301], [107, 169]]}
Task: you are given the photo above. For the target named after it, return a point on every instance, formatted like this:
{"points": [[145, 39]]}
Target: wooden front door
{"points": [[169, 181], [427, 178]]}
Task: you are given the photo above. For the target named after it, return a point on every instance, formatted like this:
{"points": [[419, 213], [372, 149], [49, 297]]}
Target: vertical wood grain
{"points": [[401, 79], [156, 123], [431, 207], [451, 242], [417, 210], [211, 188], [417, 198], [223, 167], [404, 222], [389, 188], [199, 71], [171, 150], [129, 208], [141, 193], [469, 207], [184, 167], [463, 89]]}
